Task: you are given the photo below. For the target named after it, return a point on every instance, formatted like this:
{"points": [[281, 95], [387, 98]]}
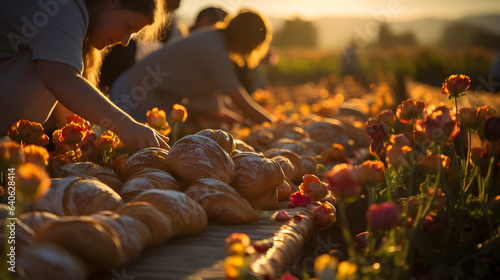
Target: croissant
{"points": [[145, 158], [73, 196], [186, 215], [292, 145], [132, 233], [308, 165], [293, 157], [95, 242], [158, 224], [290, 131], [105, 175], [325, 131], [286, 165], [47, 261], [27, 226], [284, 190], [195, 156], [257, 176], [265, 201], [221, 202], [224, 139], [242, 146], [147, 179]]}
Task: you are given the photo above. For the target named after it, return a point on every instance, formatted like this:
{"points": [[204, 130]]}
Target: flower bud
{"points": [[179, 113], [312, 187], [32, 180], [388, 117], [324, 216], [410, 109], [378, 132], [377, 148], [396, 155], [384, 216], [156, 118], [342, 183]]}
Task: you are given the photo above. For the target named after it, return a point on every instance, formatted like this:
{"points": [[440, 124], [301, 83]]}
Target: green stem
{"points": [[489, 177], [175, 127], [465, 180], [345, 230]]}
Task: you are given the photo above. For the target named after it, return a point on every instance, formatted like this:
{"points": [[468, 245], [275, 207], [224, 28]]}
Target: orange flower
{"points": [[105, 141], [369, 172], [179, 113], [342, 183], [156, 118], [431, 162], [473, 118], [410, 109], [11, 154], [312, 187], [26, 132], [396, 155], [57, 138], [36, 154], [336, 153], [324, 215], [454, 85], [73, 133], [388, 117], [32, 180], [400, 140], [79, 120]]}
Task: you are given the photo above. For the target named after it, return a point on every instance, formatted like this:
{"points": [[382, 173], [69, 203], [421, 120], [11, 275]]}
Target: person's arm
{"points": [[249, 107], [76, 94]]}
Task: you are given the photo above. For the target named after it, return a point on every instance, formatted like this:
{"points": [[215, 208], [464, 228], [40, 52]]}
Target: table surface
{"points": [[202, 256]]}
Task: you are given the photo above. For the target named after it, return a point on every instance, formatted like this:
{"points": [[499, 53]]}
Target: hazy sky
{"points": [[396, 9]]}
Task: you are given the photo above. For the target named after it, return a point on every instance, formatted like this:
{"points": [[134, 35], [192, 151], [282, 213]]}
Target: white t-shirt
{"points": [[196, 68], [29, 30]]}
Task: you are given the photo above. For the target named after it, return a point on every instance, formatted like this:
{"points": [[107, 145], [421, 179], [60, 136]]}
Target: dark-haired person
{"points": [[50, 51], [197, 71]]}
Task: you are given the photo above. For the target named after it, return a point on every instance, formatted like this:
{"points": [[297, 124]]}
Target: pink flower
{"points": [[410, 109], [378, 132], [370, 172], [396, 155], [299, 199], [342, 183], [282, 216], [383, 216], [312, 187], [440, 126], [324, 216], [387, 116]]}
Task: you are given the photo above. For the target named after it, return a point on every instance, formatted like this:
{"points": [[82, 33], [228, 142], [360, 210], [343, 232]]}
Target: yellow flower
{"points": [[346, 270], [156, 118], [32, 180], [179, 113], [36, 154]]}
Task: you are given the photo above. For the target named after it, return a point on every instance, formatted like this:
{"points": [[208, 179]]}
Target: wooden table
{"points": [[202, 256]]}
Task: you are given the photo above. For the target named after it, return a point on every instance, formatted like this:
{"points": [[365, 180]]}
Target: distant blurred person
{"points": [[208, 17], [196, 70]]}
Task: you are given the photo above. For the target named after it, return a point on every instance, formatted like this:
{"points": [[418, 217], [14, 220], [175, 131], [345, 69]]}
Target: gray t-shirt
{"points": [[52, 29], [196, 68]]}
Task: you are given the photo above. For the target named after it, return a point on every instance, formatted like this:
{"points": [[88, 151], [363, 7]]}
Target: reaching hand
{"points": [[139, 136]]}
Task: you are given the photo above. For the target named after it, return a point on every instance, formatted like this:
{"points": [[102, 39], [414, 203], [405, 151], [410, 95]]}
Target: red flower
{"points": [[410, 109], [455, 84], [377, 148], [440, 126], [26, 132], [377, 132], [383, 216], [282, 216], [299, 199], [312, 187], [400, 140], [262, 246], [360, 240], [342, 183], [73, 133], [324, 216]]}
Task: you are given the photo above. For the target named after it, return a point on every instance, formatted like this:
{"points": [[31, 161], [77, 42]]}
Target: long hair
{"points": [[155, 10], [248, 36]]}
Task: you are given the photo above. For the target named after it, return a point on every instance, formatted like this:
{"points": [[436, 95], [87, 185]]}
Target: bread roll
{"points": [[73, 196], [195, 156], [325, 131], [308, 165], [221, 202], [132, 233], [103, 174], [242, 146], [96, 243], [286, 165], [290, 130], [186, 215], [48, 261], [24, 238], [28, 225], [261, 138], [292, 145], [224, 139], [256, 175], [147, 179], [145, 158], [265, 201], [284, 190], [293, 157], [160, 227]]}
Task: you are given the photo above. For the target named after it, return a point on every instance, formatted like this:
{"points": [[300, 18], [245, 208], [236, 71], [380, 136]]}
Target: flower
{"points": [[473, 118], [432, 162], [384, 216], [454, 85], [377, 148], [32, 180], [396, 155], [282, 216], [400, 140], [410, 109], [72, 133], [179, 113], [156, 118], [388, 117], [324, 216], [79, 120], [105, 142], [325, 265], [36, 154], [336, 153], [369, 172], [237, 237], [299, 199], [26, 132], [346, 270], [312, 187], [378, 132], [263, 246], [360, 241], [440, 126], [491, 129], [430, 226], [342, 183], [11, 154]]}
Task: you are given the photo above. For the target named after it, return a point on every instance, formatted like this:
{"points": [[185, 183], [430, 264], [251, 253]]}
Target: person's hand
{"points": [[138, 136]]}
